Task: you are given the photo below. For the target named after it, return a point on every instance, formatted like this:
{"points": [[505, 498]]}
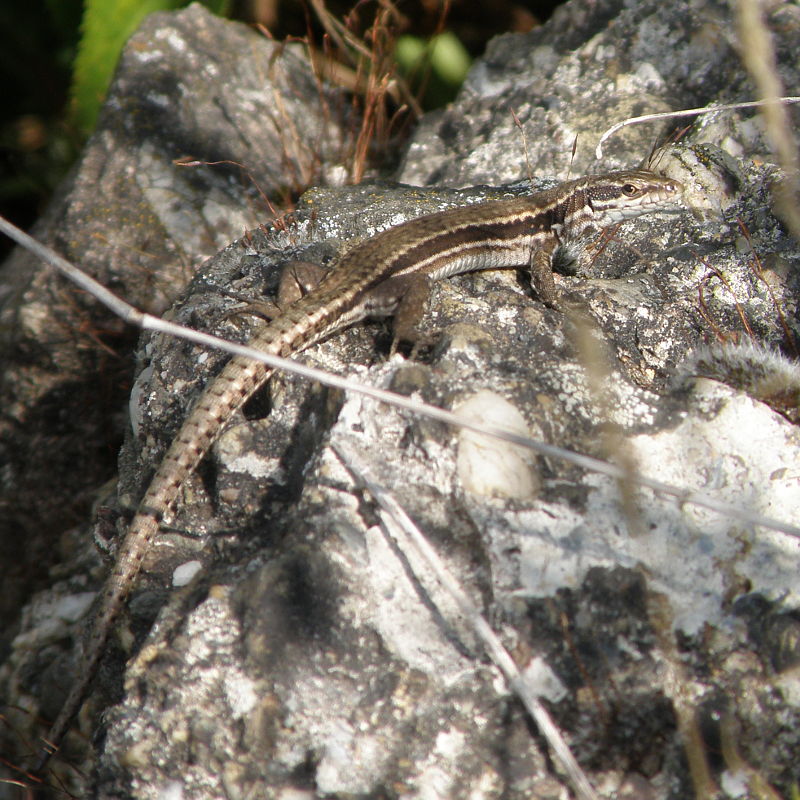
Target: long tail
{"points": [[235, 384]]}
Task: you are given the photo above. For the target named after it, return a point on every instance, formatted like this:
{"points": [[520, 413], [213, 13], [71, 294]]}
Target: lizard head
{"points": [[621, 195]]}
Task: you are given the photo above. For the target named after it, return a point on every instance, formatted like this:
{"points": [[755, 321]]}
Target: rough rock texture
{"points": [[304, 660], [188, 87]]}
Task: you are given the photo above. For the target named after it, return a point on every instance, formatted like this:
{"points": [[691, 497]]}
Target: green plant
{"points": [[436, 67]]}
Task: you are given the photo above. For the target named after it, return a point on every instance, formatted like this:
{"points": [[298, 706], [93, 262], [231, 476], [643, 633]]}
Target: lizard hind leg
{"points": [[298, 278], [410, 310]]}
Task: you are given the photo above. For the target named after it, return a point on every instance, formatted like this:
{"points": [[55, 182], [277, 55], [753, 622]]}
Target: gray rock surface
{"points": [[187, 87], [304, 660]]}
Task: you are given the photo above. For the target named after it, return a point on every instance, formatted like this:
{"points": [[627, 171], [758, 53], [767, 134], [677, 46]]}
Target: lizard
{"points": [[384, 275]]}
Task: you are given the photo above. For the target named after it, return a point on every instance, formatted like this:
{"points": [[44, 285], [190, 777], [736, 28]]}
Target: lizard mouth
{"points": [[666, 200]]}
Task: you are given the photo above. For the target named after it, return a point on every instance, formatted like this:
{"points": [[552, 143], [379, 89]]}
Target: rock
{"points": [[189, 86], [304, 660]]}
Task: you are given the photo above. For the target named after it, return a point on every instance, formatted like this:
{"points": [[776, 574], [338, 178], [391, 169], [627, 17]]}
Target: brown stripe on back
{"points": [[465, 232]]}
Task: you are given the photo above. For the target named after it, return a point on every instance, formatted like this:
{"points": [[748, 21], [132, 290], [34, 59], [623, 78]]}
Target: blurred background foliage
{"points": [[59, 57]]}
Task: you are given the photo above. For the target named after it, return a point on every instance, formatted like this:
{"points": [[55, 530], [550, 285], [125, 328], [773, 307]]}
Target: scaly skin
{"points": [[371, 279]]}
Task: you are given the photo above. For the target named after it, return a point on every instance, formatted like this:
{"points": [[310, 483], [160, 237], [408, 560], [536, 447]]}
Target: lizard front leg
{"points": [[542, 280]]}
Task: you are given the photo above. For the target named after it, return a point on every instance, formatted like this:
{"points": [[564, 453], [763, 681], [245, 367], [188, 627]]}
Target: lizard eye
{"points": [[630, 190]]}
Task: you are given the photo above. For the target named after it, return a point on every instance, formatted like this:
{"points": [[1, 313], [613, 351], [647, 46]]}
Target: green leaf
{"points": [[439, 65], [409, 52], [449, 58]]}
